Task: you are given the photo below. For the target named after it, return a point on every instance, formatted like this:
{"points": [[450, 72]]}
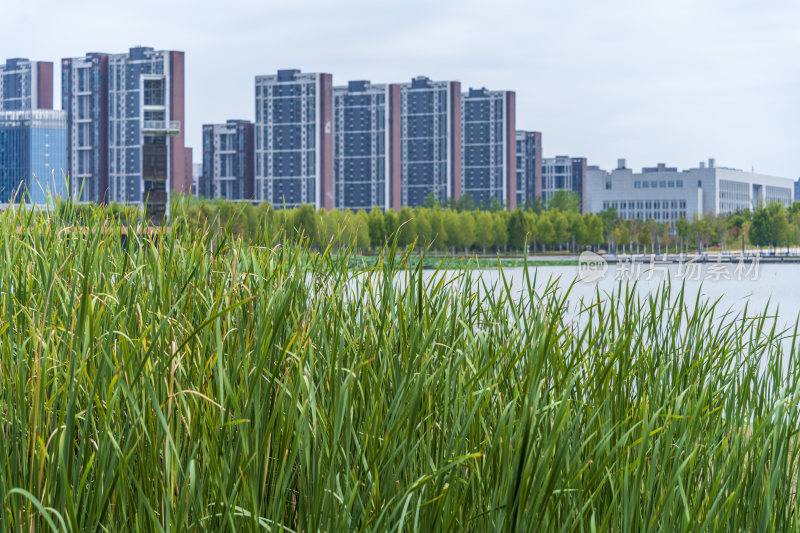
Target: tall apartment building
{"points": [[564, 173], [145, 141], [529, 166], [84, 97], [25, 85], [32, 155], [125, 114], [665, 194], [366, 125], [294, 139], [488, 146], [430, 141], [228, 161]]}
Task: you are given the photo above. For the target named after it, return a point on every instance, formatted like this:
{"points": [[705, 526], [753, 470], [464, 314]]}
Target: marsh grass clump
{"points": [[176, 380]]}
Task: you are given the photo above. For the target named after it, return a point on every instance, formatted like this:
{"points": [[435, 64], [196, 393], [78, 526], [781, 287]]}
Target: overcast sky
{"points": [[674, 81]]}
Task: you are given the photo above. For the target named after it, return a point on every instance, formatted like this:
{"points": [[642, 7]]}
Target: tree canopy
{"points": [[450, 228]]}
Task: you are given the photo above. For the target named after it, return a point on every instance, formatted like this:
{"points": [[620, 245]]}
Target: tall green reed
{"points": [[175, 381]]}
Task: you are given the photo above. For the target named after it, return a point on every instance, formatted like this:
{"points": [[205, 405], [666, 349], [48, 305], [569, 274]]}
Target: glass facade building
{"points": [[32, 155], [362, 145], [430, 140], [294, 139], [228, 160], [488, 136]]}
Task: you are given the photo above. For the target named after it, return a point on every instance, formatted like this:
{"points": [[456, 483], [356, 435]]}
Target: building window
{"points": [[154, 92]]}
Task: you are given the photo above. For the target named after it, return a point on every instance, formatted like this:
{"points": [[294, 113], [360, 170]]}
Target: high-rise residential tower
{"points": [[488, 144], [25, 85], [366, 153], [84, 98], [125, 122], [145, 141], [564, 173], [294, 139], [529, 166], [228, 160], [430, 141]]}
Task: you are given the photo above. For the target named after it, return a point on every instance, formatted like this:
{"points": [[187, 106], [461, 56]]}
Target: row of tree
{"points": [[772, 225], [445, 229], [461, 227]]}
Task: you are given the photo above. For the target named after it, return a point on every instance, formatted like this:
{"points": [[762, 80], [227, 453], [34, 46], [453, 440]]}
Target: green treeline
{"points": [[436, 227], [459, 226]]}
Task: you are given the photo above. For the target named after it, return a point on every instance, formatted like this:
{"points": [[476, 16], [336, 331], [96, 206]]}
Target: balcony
{"points": [[161, 127]]}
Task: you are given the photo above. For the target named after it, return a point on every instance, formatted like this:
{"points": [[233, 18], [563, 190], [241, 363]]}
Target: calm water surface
{"points": [[772, 286]]}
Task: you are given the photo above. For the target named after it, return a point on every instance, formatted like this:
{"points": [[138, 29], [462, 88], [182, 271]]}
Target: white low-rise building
{"points": [[664, 194]]}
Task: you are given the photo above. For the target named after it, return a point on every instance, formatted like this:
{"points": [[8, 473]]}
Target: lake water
{"points": [[762, 286]]}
